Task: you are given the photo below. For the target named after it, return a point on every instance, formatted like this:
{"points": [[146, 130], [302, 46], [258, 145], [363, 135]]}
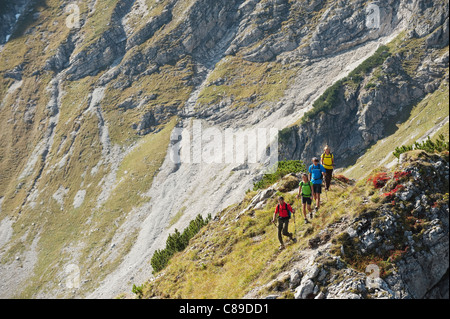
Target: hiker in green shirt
{"points": [[306, 192]]}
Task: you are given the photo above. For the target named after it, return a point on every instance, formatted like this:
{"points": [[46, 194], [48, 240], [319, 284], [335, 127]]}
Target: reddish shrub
{"points": [[379, 179], [396, 255], [342, 178], [398, 175], [392, 192]]}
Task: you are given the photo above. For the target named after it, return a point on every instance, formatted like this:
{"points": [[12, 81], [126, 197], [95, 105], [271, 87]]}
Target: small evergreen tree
{"points": [[429, 146], [177, 242], [283, 168]]}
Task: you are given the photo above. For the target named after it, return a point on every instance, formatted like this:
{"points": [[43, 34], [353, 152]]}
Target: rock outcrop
{"points": [[411, 229], [389, 242]]}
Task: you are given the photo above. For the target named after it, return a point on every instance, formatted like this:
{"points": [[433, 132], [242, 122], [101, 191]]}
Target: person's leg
{"points": [[305, 204], [304, 209], [286, 229], [316, 196], [317, 192], [328, 176], [308, 205], [280, 230]]}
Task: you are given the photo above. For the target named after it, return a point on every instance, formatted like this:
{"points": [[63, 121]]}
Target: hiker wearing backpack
{"points": [[328, 163], [316, 174], [283, 210], [306, 191]]}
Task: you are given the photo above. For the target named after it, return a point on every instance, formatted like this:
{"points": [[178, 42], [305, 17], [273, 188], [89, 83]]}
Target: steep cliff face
{"points": [[93, 92], [364, 107], [10, 13]]}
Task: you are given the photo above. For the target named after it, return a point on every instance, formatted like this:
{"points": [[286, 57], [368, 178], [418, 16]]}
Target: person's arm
{"points": [[299, 192], [291, 209], [275, 214]]}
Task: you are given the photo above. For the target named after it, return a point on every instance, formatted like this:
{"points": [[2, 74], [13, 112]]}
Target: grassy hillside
{"points": [[62, 229], [70, 176], [237, 253], [246, 84], [86, 116]]}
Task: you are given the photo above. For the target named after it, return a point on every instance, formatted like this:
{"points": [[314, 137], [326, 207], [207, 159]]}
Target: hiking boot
{"points": [[281, 247]]}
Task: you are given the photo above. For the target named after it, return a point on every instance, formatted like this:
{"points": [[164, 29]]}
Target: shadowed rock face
{"points": [[364, 113], [10, 13]]}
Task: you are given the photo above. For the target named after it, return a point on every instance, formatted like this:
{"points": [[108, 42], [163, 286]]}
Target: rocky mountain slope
{"points": [[383, 237], [93, 93]]}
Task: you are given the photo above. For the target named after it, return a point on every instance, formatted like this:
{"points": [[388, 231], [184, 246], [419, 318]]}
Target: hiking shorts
{"points": [[317, 188], [306, 200]]}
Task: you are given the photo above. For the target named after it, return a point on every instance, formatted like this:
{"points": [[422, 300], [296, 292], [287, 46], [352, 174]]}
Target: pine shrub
{"points": [[177, 242]]}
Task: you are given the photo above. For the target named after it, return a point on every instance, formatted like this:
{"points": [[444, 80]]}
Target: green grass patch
{"points": [[283, 168], [138, 168], [43, 15], [177, 217], [245, 83], [98, 21]]}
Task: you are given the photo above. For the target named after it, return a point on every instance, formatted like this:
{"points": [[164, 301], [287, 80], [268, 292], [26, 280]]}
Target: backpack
{"points": [[327, 160], [310, 189], [313, 167], [286, 208]]}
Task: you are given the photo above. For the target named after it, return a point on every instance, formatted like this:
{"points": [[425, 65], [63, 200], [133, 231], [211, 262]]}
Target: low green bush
{"points": [[177, 242], [429, 146], [283, 168]]}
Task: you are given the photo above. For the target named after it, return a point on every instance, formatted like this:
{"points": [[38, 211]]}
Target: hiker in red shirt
{"points": [[283, 210]]}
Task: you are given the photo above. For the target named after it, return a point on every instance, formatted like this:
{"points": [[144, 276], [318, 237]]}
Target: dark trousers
{"points": [[283, 225], [328, 175]]}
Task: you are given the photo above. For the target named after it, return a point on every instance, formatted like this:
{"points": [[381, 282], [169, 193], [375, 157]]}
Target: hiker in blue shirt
{"points": [[316, 175]]}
